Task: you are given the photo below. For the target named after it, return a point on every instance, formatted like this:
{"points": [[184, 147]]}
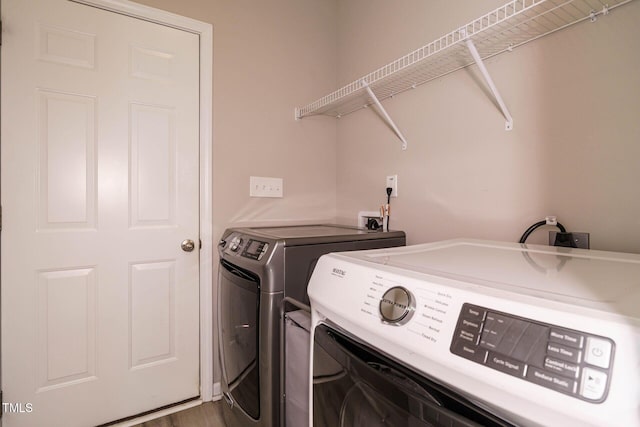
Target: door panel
{"points": [[67, 327], [66, 142], [151, 305], [100, 183], [153, 157]]}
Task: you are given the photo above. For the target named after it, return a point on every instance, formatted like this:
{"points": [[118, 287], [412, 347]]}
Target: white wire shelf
{"points": [[505, 28]]}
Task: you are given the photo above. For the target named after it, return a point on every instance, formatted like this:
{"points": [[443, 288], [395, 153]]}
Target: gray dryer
{"points": [[258, 268]]}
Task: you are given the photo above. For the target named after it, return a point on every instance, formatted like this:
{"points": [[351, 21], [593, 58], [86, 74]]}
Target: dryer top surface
{"points": [[318, 233]]}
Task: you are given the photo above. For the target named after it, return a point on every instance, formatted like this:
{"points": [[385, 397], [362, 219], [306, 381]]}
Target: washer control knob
{"points": [[397, 306]]}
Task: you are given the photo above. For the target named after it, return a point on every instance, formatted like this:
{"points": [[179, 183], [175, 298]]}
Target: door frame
{"points": [[205, 32]]}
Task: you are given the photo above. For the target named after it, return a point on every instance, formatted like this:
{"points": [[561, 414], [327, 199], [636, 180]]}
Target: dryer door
{"points": [[238, 306]]}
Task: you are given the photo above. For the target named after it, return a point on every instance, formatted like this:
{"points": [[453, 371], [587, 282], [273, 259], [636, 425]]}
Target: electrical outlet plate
{"points": [[392, 181], [261, 186], [581, 239]]}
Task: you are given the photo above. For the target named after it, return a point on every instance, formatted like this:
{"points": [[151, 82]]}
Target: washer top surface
{"points": [[582, 277]]}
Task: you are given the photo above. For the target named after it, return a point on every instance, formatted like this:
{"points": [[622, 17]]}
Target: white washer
{"points": [[535, 335]]}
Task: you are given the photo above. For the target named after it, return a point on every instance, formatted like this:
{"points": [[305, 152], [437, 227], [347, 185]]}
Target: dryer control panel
{"points": [[244, 246], [568, 361]]}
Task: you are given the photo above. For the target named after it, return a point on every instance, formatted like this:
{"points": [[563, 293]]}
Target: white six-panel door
{"points": [[100, 308]]}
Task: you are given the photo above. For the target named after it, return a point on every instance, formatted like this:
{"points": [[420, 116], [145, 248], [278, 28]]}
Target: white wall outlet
{"points": [[261, 186], [392, 181]]}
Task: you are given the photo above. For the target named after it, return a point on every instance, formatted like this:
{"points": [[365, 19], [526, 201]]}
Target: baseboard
{"points": [[217, 392]]}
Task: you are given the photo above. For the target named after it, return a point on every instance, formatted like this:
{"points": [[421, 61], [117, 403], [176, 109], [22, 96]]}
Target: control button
{"points": [[594, 384], [598, 352], [263, 250], [473, 313], [505, 364], [550, 380], [471, 325], [467, 336], [570, 338], [470, 352], [562, 367], [397, 305], [565, 353]]}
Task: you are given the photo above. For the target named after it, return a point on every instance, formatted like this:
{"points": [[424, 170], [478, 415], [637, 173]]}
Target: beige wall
{"points": [[574, 151]]}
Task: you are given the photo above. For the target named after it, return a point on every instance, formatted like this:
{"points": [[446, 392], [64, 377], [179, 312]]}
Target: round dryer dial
{"points": [[397, 306], [235, 243]]}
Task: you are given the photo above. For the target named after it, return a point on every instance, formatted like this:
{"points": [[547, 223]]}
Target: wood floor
{"points": [[209, 414]]}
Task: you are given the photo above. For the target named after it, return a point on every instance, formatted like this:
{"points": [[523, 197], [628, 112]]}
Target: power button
{"points": [[598, 352]]}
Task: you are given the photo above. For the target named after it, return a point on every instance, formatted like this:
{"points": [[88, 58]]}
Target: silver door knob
{"points": [[188, 245]]}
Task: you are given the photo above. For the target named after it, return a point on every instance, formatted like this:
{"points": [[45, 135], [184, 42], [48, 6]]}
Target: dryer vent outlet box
{"points": [[370, 220]]}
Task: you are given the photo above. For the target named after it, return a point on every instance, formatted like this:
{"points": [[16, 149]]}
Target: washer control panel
{"points": [[571, 362]]}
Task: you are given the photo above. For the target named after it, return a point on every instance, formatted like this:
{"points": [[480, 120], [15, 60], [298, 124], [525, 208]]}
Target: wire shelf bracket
{"points": [[385, 115], [501, 30], [487, 77]]}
